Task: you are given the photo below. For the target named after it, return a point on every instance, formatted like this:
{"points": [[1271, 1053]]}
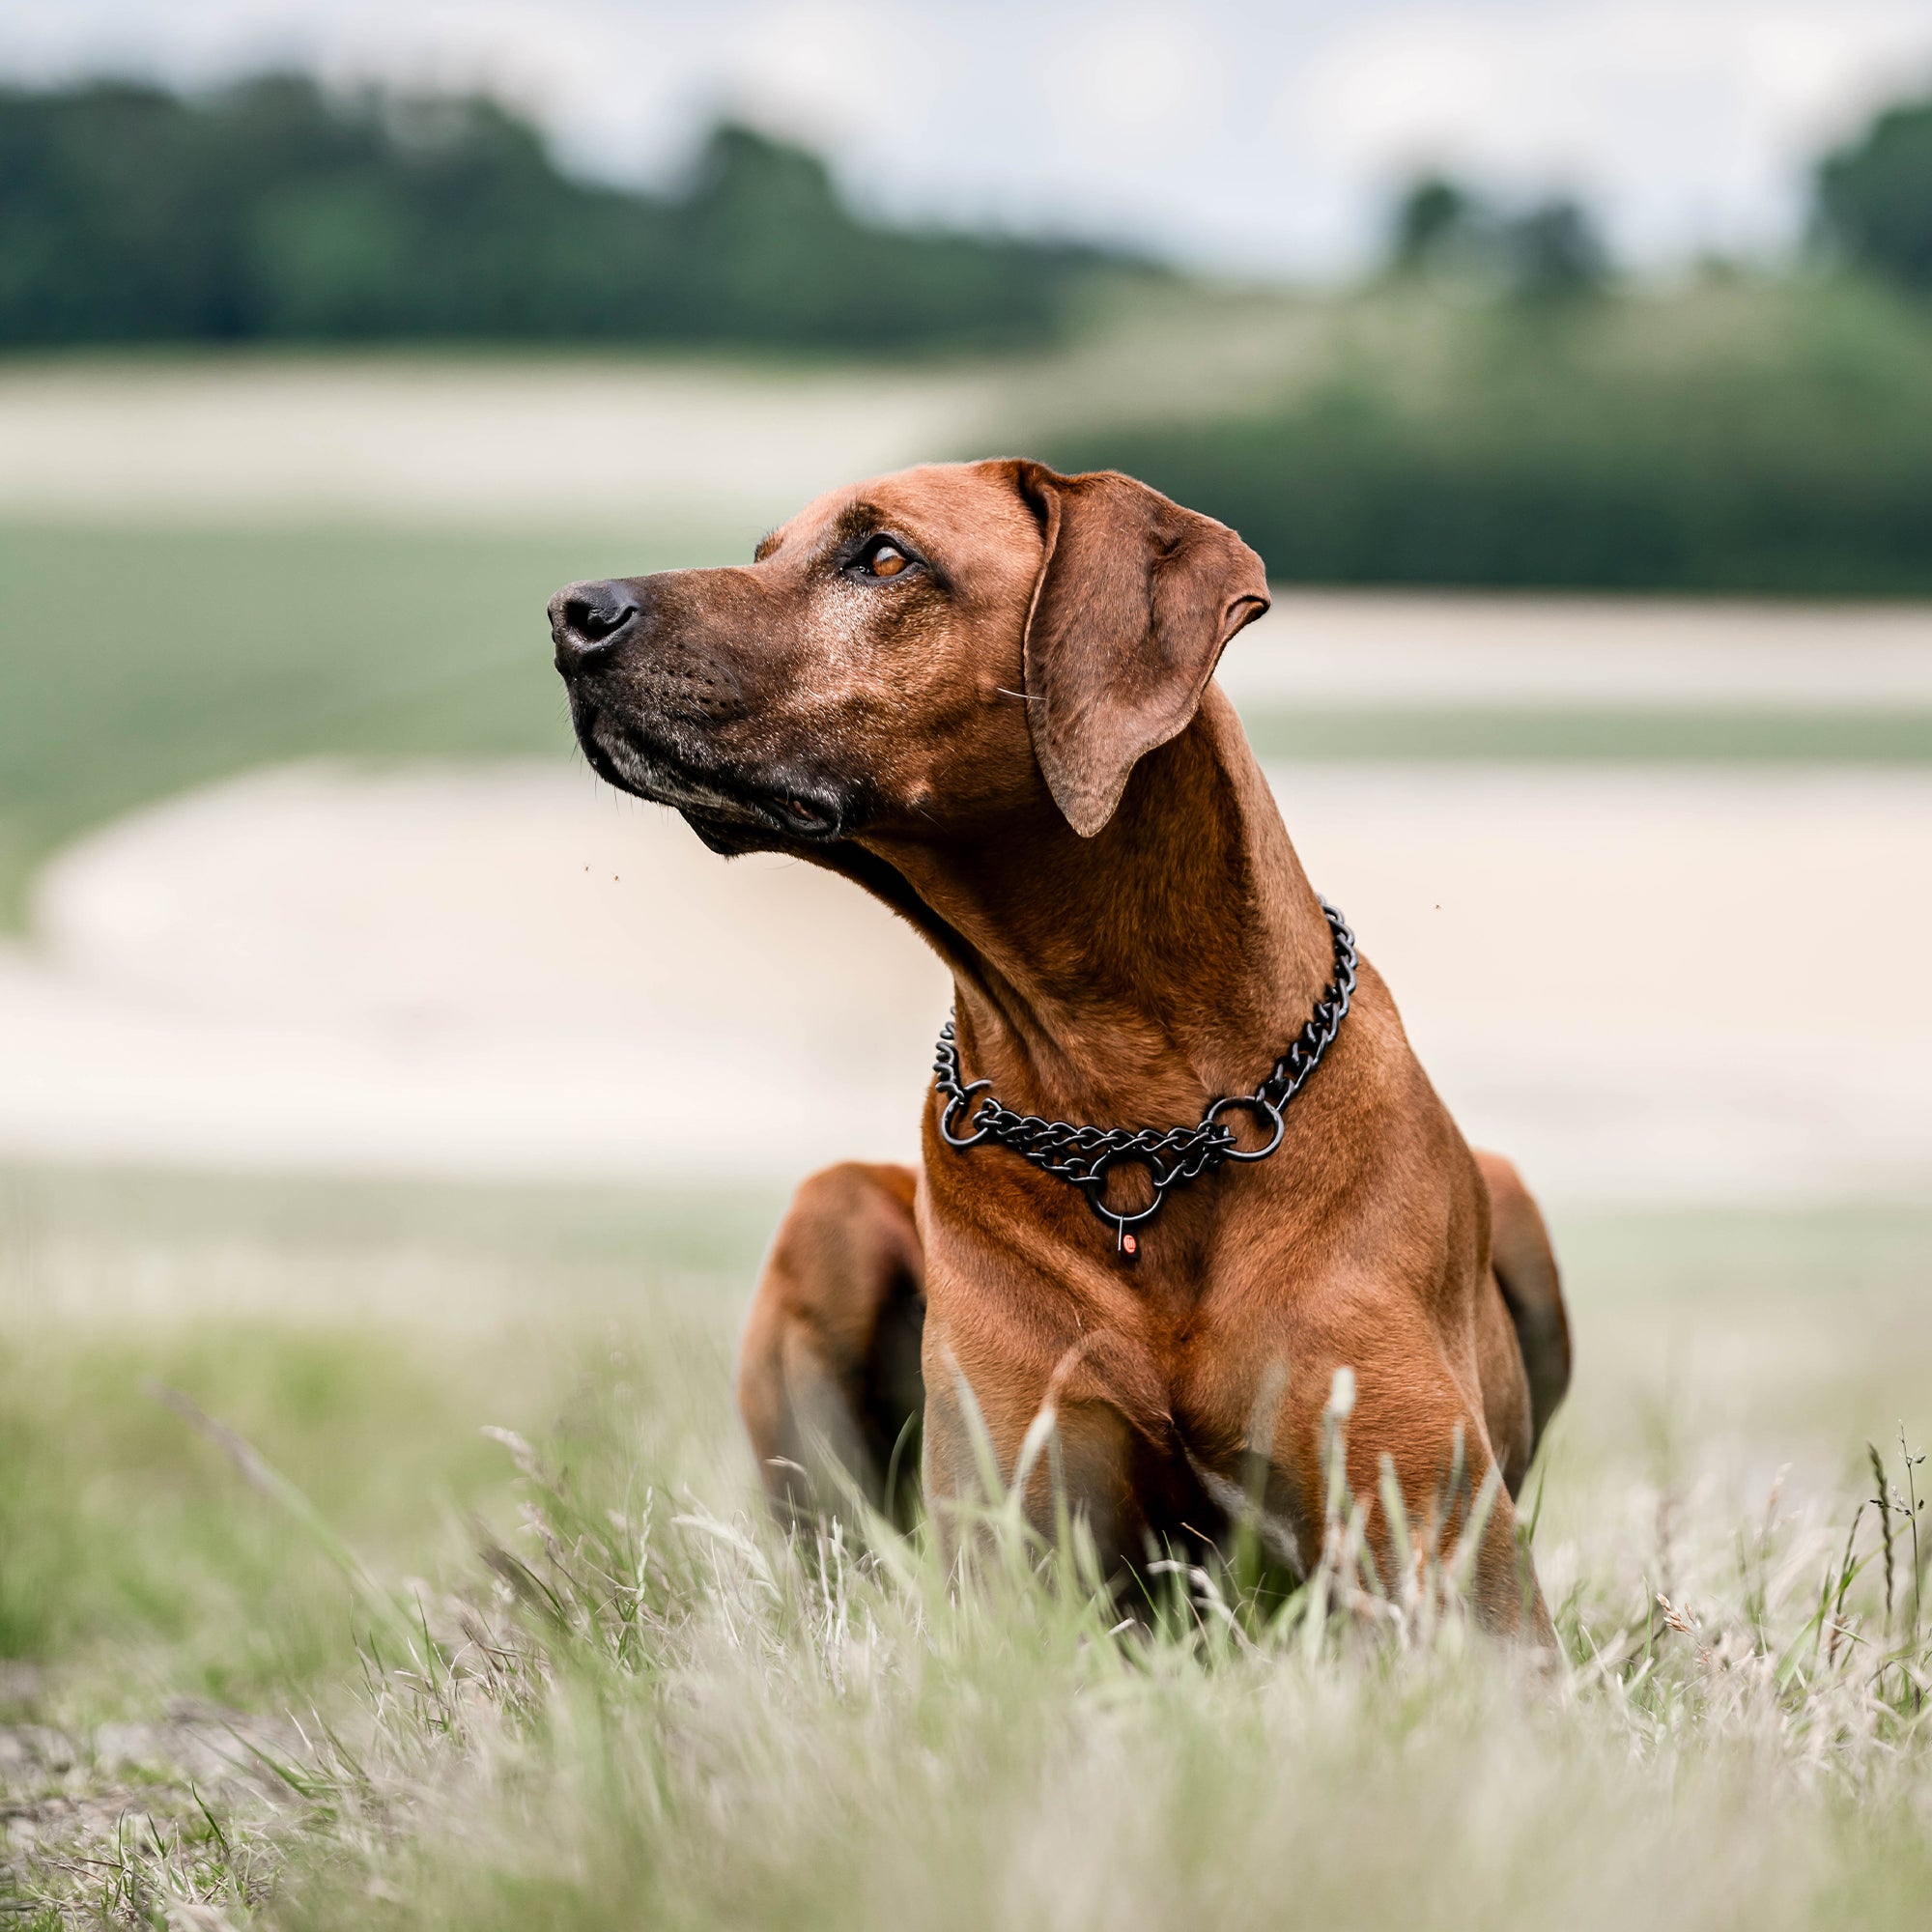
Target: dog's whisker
{"points": [[1024, 697]]}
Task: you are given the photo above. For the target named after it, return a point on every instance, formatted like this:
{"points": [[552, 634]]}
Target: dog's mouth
{"points": [[722, 805]]}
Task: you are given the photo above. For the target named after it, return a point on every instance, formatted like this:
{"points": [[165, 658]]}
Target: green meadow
{"points": [[386, 1554], [293, 1642], [139, 662]]}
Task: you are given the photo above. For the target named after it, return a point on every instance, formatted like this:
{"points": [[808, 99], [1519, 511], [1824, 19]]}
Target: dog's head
{"points": [[924, 655]]}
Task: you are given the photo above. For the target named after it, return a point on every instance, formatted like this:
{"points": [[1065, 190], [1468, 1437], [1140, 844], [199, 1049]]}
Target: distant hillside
{"points": [[274, 213], [1500, 410], [1769, 438]]}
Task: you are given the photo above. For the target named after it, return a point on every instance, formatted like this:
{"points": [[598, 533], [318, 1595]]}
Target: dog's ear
{"points": [[1135, 600]]}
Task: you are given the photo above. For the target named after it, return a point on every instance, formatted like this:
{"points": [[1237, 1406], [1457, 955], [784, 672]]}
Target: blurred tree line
{"points": [[1548, 251], [274, 213], [1727, 437], [1500, 409], [1504, 415]]}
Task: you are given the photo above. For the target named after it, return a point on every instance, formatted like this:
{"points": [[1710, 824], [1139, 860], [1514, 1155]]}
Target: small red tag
{"points": [[1129, 1245]]}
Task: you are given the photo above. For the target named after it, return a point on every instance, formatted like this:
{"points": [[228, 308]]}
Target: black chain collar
{"points": [[1084, 1156]]}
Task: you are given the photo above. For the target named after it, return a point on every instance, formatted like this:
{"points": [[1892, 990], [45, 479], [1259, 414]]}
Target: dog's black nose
{"points": [[585, 618]]}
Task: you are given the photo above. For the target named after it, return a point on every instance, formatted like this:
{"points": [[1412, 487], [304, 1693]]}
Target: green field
{"points": [[136, 662], [596, 1690], [286, 1639], [1653, 735]]}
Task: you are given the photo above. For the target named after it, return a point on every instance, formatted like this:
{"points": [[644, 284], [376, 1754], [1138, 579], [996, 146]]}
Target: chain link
{"points": [[1084, 1156]]}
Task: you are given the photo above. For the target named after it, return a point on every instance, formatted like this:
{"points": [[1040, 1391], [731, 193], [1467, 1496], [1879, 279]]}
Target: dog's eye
{"points": [[882, 557]]}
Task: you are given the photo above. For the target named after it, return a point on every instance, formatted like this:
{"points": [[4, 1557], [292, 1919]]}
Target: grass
{"points": [[567, 1676], [357, 1334]]}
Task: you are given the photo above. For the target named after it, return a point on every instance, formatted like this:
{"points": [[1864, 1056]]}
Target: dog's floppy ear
{"points": [[1135, 600]]}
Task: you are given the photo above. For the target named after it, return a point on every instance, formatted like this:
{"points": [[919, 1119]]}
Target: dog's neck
{"points": [[1127, 978]]}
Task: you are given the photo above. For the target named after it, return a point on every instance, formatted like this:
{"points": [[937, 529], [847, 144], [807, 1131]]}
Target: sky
{"points": [[1237, 136]]}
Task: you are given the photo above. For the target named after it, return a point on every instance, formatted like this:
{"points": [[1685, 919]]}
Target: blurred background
{"points": [[1570, 365]]}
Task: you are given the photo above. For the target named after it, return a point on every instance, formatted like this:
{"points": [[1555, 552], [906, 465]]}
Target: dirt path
{"points": [[1647, 984]]}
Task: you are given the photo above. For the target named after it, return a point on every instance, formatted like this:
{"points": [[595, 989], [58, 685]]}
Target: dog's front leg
{"points": [[1006, 1424], [1397, 1410], [828, 1369]]}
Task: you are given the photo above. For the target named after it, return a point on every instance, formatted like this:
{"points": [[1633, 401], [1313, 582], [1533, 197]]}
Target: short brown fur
{"points": [[1008, 732]]}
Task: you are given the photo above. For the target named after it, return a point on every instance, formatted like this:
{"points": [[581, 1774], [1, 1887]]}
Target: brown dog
{"points": [[984, 693]]}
